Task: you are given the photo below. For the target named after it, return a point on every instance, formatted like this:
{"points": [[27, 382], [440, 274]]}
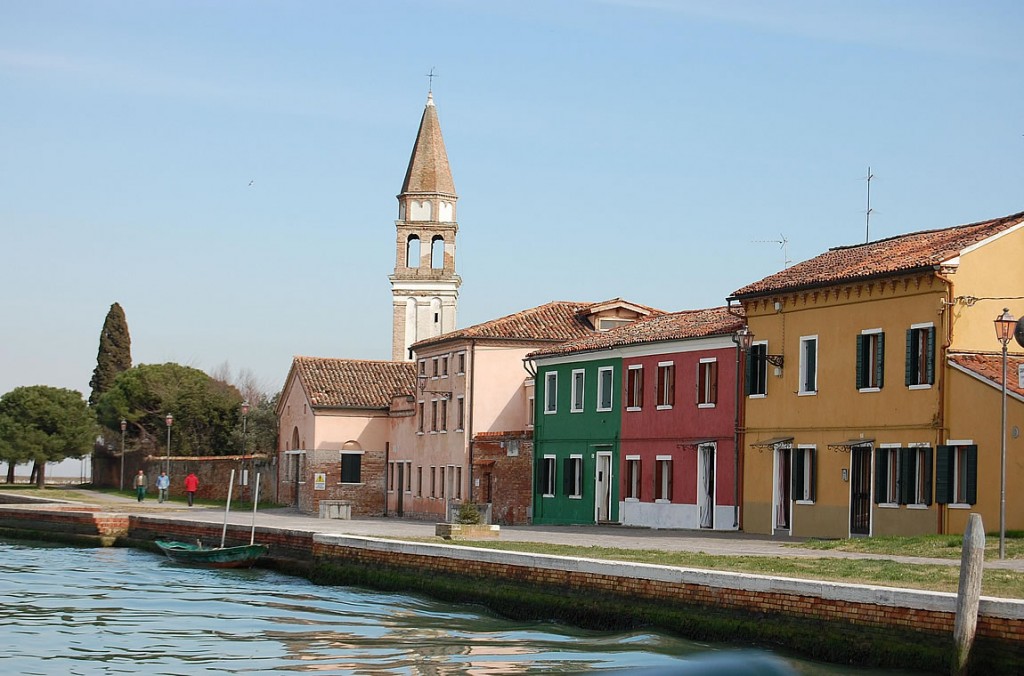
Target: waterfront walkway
{"points": [[612, 536]]}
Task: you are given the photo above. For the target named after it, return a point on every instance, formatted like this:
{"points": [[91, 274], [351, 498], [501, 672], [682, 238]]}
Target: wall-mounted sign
{"points": [[320, 481]]}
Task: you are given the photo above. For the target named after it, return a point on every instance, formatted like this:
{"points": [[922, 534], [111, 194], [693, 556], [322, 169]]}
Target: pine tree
{"points": [[115, 353]]}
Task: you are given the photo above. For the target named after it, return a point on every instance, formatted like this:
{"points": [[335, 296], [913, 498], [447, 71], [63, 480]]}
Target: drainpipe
{"points": [[738, 421], [387, 457], [469, 400], [946, 316]]}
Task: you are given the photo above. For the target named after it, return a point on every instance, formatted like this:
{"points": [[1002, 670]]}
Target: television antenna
{"points": [[783, 244], [867, 213]]}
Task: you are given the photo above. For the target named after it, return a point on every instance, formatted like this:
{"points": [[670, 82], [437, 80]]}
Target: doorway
{"points": [[860, 490], [399, 492], [782, 501], [603, 488], [706, 485]]}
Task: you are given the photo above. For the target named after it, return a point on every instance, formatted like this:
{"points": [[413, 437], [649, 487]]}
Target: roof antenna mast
{"points": [[783, 244], [867, 214]]}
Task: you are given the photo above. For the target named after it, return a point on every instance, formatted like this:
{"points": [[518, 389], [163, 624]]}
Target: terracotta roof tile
{"points": [[903, 253], [659, 328], [557, 321], [353, 383], [990, 367]]}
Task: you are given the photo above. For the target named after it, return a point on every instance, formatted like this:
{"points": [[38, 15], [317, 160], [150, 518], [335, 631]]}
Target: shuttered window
{"points": [[351, 468], [956, 474], [804, 474], [870, 360], [920, 361]]}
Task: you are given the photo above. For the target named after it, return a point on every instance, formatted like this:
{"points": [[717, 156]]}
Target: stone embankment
{"points": [[836, 622]]}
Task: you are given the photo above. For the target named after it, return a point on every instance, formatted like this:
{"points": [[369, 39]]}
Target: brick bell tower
{"points": [[424, 286]]}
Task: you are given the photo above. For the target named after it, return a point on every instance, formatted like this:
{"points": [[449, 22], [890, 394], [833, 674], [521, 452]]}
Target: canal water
{"points": [[67, 610]]}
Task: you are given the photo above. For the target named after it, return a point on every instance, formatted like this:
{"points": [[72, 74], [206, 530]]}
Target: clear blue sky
{"points": [[638, 149]]}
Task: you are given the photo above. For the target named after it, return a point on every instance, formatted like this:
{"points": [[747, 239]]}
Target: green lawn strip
{"points": [[927, 546], [883, 572]]}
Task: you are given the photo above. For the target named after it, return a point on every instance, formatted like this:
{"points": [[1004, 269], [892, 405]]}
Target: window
{"points": [[423, 367], [420, 417], [412, 252], [808, 365], [444, 415], [707, 383], [391, 476], [607, 324], [574, 476], [444, 366], [886, 475], [460, 363], [804, 478], [956, 474], [443, 481], [437, 252], [457, 480], [547, 476], [351, 465], [916, 475], [577, 390], [870, 359], [530, 413], [433, 415], [551, 392], [460, 413], [757, 370], [604, 388], [663, 478], [433, 481], [433, 368], [920, 371], [666, 384], [408, 477], [634, 387], [632, 477], [419, 481]]}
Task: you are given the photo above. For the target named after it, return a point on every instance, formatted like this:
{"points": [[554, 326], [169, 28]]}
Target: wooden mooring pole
{"points": [[972, 563]]}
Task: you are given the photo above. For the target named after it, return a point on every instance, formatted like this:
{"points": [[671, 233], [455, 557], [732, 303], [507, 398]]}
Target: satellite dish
{"points": [[1018, 333]]}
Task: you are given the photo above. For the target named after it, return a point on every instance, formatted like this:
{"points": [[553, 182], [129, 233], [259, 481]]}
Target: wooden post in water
{"points": [[972, 564]]}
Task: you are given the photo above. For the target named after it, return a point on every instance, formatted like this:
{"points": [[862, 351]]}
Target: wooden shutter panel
{"points": [[713, 397], [880, 360], [748, 372], [910, 358], [567, 476], [944, 475], [929, 367], [905, 472], [927, 471], [972, 475], [881, 476], [860, 362], [812, 457], [350, 468], [797, 478]]}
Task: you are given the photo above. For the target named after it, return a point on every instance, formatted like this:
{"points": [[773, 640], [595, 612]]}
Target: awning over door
{"points": [[845, 446]]}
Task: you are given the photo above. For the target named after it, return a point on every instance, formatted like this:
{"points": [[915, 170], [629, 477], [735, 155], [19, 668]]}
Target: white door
{"points": [[603, 484]]}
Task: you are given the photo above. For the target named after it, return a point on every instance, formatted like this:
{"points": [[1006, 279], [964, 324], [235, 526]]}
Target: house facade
{"points": [[638, 425], [471, 385], [849, 425]]}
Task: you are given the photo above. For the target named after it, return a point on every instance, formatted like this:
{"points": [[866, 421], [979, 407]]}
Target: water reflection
{"points": [[88, 611]]}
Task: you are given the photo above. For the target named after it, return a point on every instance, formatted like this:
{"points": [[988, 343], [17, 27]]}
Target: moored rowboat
{"points": [[243, 556]]}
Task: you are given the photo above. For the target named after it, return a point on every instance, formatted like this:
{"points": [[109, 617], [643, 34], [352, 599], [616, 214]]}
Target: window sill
{"points": [[918, 505], [350, 483], [547, 495], [662, 501], [575, 410], [705, 405], [604, 410], [958, 505], [634, 408], [419, 434], [870, 389], [575, 497], [664, 407], [550, 412], [756, 396], [462, 430], [807, 394], [888, 505], [926, 386], [443, 432], [631, 500], [805, 502]]}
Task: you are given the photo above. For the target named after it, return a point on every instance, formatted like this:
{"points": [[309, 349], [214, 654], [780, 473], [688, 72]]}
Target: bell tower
{"points": [[424, 286]]}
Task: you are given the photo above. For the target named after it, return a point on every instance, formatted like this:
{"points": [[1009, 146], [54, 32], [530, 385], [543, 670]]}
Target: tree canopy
{"points": [[44, 424], [206, 410], [115, 353]]}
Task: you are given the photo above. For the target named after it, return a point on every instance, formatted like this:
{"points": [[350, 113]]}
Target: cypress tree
{"points": [[115, 353]]}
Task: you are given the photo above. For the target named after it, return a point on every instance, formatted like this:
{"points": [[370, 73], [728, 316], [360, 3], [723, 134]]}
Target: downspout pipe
{"points": [[470, 405], [738, 421]]}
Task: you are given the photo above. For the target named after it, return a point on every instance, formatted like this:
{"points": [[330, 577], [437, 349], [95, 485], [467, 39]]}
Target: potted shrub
{"points": [[467, 524]]}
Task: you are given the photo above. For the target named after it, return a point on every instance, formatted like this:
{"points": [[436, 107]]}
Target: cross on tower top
{"points": [[430, 80]]}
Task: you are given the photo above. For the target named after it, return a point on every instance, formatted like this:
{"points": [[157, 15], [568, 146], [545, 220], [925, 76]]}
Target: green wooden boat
{"points": [[242, 556]]}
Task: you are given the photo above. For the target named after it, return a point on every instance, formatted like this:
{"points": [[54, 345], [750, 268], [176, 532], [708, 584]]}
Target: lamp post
{"points": [[1005, 324], [252, 461], [743, 339], [170, 421], [124, 426]]}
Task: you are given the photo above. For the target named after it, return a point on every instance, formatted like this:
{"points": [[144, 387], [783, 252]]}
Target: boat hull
{"points": [[243, 556]]}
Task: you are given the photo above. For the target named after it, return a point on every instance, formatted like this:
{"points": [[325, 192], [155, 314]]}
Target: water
{"points": [[122, 611]]}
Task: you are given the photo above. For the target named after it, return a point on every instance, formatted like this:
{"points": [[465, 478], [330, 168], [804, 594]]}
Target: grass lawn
{"points": [[928, 546]]}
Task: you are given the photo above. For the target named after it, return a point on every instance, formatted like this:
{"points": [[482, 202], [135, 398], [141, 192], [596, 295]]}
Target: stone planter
{"points": [[467, 531]]}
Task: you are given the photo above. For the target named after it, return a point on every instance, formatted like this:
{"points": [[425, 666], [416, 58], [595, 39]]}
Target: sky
{"points": [[227, 171]]}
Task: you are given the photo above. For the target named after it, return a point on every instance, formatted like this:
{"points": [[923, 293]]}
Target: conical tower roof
{"points": [[428, 167]]}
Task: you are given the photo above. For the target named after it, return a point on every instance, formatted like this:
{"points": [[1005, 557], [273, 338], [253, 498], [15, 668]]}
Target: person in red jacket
{"points": [[191, 486]]}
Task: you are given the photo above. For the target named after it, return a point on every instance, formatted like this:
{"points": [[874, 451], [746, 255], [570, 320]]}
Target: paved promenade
{"points": [[622, 537]]}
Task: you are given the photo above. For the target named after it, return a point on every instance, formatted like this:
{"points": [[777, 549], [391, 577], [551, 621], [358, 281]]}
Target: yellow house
{"points": [[869, 408]]}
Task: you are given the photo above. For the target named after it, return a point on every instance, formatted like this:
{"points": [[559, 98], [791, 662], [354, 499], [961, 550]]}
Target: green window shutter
{"points": [[972, 475], [905, 472], [860, 361], [748, 372], [350, 468], [944, 475], [567, 476], [797, 478], [929, 367], [910, 358], [927, 470], [880, 360], [881, 476]]}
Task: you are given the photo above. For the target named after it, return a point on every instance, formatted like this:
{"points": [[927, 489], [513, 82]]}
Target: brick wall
{"points": [[367, 497], [503, 463]]}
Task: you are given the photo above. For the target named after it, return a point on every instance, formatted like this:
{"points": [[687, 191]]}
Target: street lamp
{"points": [[743, 338], [252, 461], [1005, 325], [170, 421], [124, 426]]}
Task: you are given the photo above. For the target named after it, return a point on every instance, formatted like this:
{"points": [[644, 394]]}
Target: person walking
{"points": [[191, 486], [163, 482], [140, 485]]}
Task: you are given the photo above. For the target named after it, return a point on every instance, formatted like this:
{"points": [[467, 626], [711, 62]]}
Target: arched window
{"points": [[412, 252], [437, 252], [295, 438]]}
